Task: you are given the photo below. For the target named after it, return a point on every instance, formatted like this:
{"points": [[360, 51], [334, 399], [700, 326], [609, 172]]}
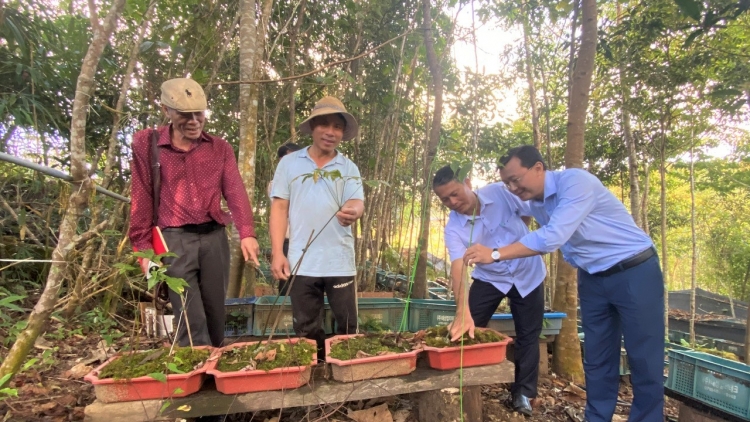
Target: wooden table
{"points": [[319, 391]]}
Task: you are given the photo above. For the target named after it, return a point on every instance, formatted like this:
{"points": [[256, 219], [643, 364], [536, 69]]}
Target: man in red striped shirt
{"points": [[197, 169]]}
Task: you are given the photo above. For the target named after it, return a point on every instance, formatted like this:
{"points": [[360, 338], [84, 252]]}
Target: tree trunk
{"points": [[579, 91], [530, 78], [663, 205], [567, 361], [290, 62], [248, 133], [420, 282], [644, 200], [67, 239], [126, 78], [635, 194], [694, 257]]}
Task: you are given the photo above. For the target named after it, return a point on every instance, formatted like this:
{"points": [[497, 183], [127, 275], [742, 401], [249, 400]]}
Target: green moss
{"points": [[372, 345], [372, 325], [439, 336], [140, 364], [286, 355]]}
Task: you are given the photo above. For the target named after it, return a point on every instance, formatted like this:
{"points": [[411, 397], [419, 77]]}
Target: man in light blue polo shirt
{"points": [[317, 193], [493, 217], [620, 283]]}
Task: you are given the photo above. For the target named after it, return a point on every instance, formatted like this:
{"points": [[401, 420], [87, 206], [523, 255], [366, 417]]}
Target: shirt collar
{"points": [[550, 185], [484, 200], [165, 138], [338, 159]]}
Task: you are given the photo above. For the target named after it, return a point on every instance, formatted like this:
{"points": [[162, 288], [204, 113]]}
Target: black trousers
{"points": [[307, 307], [284, 284], [528, 316], [203, 262]]}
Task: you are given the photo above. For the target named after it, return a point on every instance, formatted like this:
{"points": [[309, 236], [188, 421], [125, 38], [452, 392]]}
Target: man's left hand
{"points": [[347, 216], [250, 249], [478, 254]]}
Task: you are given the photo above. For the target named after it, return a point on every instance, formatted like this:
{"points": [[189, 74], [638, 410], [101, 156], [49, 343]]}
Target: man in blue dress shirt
{"points": [[620, 283], [493, 217]]}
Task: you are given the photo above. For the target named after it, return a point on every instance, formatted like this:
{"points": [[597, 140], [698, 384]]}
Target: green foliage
{"points": [[155, 363]]}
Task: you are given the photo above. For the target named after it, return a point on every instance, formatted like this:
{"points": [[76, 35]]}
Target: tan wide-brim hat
{"points": [[331, 105], [184, 95]]}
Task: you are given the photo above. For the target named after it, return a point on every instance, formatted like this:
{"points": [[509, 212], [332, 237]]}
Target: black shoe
{"points": [[520, 404]]}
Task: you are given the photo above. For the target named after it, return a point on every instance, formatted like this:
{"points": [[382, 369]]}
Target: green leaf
{"points": [[145, 46], [28, 364], [691, 8], [173, 368], [158, 376], [164, 407], [178, 390], [9, 392], [726, 93], [5, 379]]}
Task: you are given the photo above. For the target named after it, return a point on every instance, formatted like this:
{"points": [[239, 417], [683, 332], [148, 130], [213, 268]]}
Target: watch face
{"points": [[495, 255]]}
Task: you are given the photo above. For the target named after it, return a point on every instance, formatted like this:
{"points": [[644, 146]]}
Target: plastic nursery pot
{"points": [[236, 382], [445, 358], [358, 369], [109, 390]]}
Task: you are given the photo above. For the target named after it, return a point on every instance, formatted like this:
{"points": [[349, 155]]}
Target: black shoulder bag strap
{"points": [[161, 294], [155, 174]]}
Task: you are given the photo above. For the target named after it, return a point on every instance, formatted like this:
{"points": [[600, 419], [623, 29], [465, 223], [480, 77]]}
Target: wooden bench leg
{"points": [[543, 360], [444, 405]]}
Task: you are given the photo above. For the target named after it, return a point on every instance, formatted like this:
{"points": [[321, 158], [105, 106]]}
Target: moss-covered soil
{"points": [[439, 336], [267, 356], [375, 345], [181, 361]]}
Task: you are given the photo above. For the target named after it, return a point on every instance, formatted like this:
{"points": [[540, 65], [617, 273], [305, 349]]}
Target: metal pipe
{"points": [[55, 173]]}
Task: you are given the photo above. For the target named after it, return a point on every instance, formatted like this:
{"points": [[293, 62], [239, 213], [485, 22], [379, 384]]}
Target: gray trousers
{"points": [[203, 262]]}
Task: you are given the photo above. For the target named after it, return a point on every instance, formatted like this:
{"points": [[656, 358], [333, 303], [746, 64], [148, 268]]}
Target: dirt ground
{"points": [[52, 389]]}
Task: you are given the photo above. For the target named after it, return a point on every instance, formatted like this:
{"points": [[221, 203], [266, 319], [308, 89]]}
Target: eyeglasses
{"points": [[197, 115], [516, 180]]}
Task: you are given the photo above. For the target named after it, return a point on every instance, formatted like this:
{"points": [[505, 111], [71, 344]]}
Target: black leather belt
{"points": [[203, 228], [628, 263]]}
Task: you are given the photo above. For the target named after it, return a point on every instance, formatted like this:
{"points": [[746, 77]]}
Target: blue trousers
{"points": [[630, 304]]}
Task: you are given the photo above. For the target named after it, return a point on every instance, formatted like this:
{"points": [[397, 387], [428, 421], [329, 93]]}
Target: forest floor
{"points": [[52, 389]]}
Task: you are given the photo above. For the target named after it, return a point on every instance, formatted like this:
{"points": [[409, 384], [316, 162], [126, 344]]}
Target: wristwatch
{"points": [[495, 255]]}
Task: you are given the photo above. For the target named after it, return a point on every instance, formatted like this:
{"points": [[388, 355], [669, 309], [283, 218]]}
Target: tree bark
{"points": [[567, 361], [663, 205], [67, 239], [530, 78], [248, 132], [420, 281], [126, 78], [693, 242]]}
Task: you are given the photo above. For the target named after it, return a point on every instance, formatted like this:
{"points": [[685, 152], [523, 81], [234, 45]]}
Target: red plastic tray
{"points": [[109, 390], [370, 367], [446, 358], [251, 381]]}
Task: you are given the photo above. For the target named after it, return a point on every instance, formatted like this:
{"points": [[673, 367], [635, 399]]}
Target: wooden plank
{"points": [[319, 391]]}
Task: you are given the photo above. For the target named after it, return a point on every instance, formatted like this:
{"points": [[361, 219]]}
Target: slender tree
{"points": [[68, 240], [567, 357]]}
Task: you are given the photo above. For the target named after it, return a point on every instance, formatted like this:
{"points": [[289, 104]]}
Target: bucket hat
{"points": [[331, 105], [184, 95]]}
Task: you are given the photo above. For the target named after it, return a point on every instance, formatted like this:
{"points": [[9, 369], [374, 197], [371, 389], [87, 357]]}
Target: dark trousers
{"points": [[284, 284], [203, 262], [307, 307], [629, 303], [528, 315]]}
